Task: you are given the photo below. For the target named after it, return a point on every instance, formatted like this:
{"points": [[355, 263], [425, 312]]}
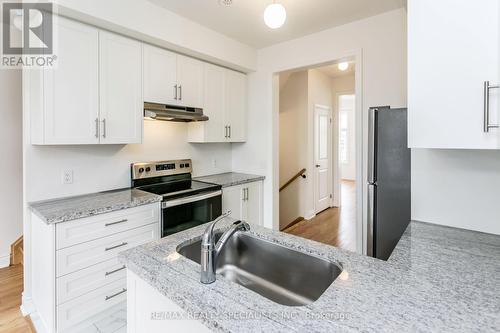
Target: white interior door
{"points": [[322, 158]]}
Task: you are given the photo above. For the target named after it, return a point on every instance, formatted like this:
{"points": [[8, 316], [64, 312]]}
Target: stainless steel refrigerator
{"points": [[389, 198]]}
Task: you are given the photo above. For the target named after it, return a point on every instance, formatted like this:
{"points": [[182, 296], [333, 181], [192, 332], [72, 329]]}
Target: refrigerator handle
{"points": [[372, 145], [370, 242]]}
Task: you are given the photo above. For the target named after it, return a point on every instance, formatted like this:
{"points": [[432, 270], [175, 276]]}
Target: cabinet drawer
{"points": [[88, 279], [83, 255], [85, 307], [87, 229]]}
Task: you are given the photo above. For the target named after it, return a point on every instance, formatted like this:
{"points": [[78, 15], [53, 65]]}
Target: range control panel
{"points": [[160, 168]]}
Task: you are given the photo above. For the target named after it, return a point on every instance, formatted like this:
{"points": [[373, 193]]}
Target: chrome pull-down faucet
{"points": [[210, 250]]}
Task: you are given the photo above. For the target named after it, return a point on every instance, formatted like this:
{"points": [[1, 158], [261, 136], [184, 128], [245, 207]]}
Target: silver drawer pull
{"points": [[117, 222], [114, 295], [116, 246], [115, 271]]}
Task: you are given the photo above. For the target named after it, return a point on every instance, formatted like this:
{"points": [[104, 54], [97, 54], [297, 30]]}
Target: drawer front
{"points": [[90, 228], [87, 306], [88, 279], [84, 255]]}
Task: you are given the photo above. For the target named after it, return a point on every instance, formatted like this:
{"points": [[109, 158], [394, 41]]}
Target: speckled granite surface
{"points": [[439, 279], [72, 208], [230, 179]]}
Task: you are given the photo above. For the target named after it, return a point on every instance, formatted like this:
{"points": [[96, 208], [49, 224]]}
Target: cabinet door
{"points": [[71, 93], [252, 211], [190, 80], [452, 50], [236, 105], [232, 200], [121, 111], [160, 75]]}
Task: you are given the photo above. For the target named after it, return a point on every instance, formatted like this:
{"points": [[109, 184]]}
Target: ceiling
{"points": [[333, 71], [243, 20]]}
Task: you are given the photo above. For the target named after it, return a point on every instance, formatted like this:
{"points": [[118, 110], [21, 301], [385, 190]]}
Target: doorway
{"points": [[317, 154]]}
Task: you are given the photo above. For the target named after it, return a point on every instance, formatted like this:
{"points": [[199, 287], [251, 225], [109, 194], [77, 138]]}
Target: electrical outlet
{"points": [[67, 177]]}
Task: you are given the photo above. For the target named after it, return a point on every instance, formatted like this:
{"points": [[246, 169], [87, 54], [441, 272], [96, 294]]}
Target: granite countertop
{"points": [[76, 207], [230, 179], [438, 279]]}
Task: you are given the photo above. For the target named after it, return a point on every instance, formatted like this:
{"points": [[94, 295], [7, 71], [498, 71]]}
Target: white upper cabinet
{"points": [[70, 101], [190, 81], [121, 111], [453, 49], [225, 105], [94, 93], [236, 106], [172, 79], [160, 76], [214, 101]]}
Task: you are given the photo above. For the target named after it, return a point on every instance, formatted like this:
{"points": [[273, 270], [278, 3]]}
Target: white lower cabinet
{"points": [[78, 283], [244, 201]]}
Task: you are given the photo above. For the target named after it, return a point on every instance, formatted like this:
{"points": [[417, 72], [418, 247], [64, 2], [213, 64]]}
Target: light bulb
{"points": [[343, 66], [275, 15]]}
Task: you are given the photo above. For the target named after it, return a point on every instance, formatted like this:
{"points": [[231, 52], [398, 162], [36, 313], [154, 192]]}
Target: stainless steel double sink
{"points": [[281, 274]]}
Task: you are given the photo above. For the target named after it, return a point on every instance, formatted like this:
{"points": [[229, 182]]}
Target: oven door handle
{"points": [[193, 198]]}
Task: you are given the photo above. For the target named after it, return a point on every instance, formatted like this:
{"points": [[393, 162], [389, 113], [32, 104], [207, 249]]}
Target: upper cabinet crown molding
{"points": [[453, 49]]}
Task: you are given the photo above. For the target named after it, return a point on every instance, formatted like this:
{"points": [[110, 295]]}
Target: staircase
{"points": [[16, 252]]}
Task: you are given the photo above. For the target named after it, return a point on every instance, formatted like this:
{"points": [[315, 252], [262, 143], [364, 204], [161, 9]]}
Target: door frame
{"points": [[313, 156], [361, 140], [337, 179]]}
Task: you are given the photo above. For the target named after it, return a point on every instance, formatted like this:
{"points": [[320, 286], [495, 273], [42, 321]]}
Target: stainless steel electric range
{"points": [[186, 203]]}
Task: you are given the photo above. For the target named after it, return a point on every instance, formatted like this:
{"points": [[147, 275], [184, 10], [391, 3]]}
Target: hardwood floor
{"points": [[11, 287], [334, 226]]}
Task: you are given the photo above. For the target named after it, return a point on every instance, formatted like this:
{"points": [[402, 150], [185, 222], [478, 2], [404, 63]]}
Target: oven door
{"points": [[187, 212]]}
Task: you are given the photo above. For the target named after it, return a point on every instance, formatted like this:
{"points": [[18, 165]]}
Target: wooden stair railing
{"points": [[301, 173], [16, 252]]}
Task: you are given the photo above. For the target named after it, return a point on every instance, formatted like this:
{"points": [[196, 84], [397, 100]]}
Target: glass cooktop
{"points": [[179, 188]]}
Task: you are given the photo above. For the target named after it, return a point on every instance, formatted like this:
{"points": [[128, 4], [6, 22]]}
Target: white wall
{"points": [[458, 188], [100, 168], [11, 166], [146, 21], [381, 38], [293, 119]]}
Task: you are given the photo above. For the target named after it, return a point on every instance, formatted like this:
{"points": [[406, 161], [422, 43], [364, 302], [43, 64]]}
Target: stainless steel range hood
{"points": [[173, 112]]}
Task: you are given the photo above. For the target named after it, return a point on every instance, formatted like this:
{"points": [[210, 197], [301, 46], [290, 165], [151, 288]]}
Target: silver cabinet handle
{"points": [[175, 90], [180, 92], [190, 199], [245, 194], [117, 222], [225, 131], [229, 131], [104, 128], [115, 271], [97, 128], [107, 298], [116, 246], [487, 88]]}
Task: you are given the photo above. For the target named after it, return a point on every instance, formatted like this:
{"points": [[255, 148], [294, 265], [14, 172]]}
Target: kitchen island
{"points": [[437, 279]]}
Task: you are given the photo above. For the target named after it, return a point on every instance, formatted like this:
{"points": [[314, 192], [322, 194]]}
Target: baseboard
{"points": [[310, 215], [27, 306], [294, 222], [5, 261], [28, 309]]}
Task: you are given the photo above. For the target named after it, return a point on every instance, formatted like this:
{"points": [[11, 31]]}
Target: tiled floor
{"points": [[334, 226]]}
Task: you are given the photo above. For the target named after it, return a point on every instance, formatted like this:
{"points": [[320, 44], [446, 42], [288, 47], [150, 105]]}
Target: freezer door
{"points": [[393, 201]]}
